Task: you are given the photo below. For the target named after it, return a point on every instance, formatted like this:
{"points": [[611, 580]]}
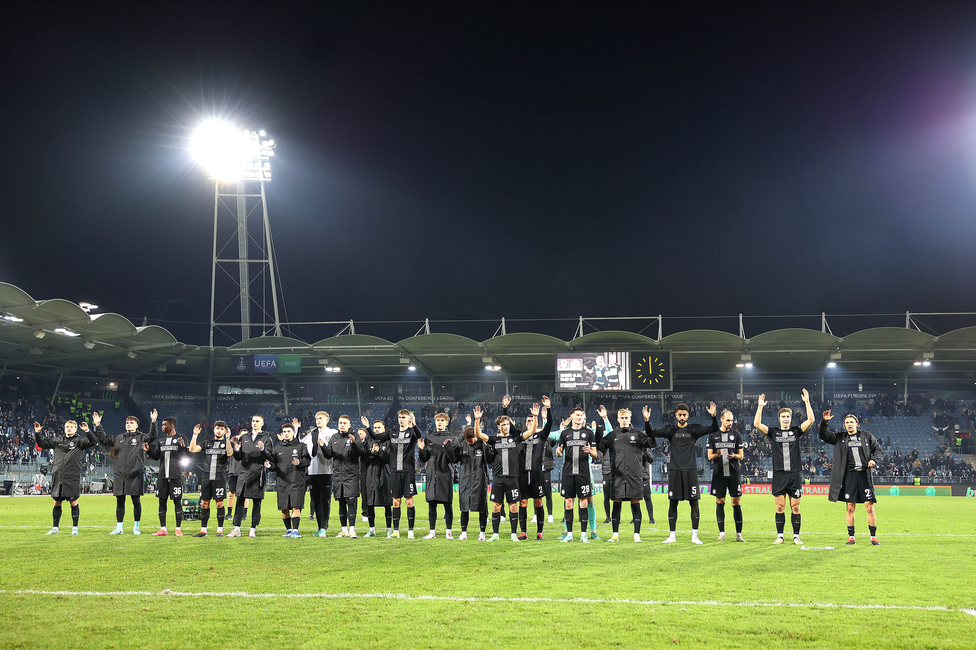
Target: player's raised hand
{"points": [[295, 424], [712, 409], [477, 413], [37, 427], [96, 418], [364, 420], [602, 411], [545, 401], [805, 396], [196, 430], [84, 427], [153, 415], [565, 423], [762, 401], [506, 400], [827, 416], [646, 411], [413, 419], [468, 419], [535, 409]]}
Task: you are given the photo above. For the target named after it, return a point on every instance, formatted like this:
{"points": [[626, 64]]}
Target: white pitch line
{"points": [[484, 599]]}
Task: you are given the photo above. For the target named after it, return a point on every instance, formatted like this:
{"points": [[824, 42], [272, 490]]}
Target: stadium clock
{"points": [[651, 371]]}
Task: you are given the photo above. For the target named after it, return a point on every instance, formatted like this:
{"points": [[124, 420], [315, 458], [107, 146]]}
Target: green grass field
{"points": [[96, 591]]}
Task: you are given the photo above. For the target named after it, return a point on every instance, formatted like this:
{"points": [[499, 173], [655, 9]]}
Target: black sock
{"points": [[411, 517], [496, 521], [432, 515], [549, 501], [540, 519], [584, 518], [795, 520], [449, 515], [569, 519], [120, 509], [287, 522], [513, 519], [256, 512], [205, 517], [720, 516], [74, 516], [295, 521], [673, 515], [56, 512], [245, 513], [780, 523], [389, 516], [483, 519], [850, 531], [737, 516], [178, 512], [137, 507], [342, 512], [371, 515], [607, 505], [615, 516], [220, 517], [695, 515], [465, 515], [351, 511], [873, 530], [523, 518], [239, 513], [650, 506], [162, 513], [635, 512], [396, 517]]}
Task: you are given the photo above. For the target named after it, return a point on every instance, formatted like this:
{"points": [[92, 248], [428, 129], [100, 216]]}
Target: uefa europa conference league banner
{"points": [[266, 363]]}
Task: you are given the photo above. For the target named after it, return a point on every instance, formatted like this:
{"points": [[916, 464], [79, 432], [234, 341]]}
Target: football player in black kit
{"points": [[129, 467], [856, 452], [69, 456], [683, 477], [290, 461], [253, 450], [787, 476], [437, 450], [579, 443], [725, 451], [216, 451], [168, 450], [509, 451], [474, 456], [403, 472], [376, 458], [345, 450], [532, 476], [625, 447]]}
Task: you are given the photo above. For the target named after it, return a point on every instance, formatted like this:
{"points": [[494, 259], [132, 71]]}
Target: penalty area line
{"points": [[482, 599]]}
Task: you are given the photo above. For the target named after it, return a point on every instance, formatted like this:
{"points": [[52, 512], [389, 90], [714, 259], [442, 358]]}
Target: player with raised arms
{"points": [[856, 453], [625, 447], [129, 468], [509, 456], [69, 457], [579, 444], [725, 451], [216, 453], [169, 450]]}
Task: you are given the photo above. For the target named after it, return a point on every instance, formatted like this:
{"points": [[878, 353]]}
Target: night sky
{"points": [[471, 161]]}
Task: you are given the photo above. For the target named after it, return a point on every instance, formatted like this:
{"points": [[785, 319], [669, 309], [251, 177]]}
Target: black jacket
{"points": [[130, 459], [69, 456], [870, 449]]}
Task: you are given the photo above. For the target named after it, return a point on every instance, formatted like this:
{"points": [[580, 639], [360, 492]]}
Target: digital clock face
{"points": [[652, 371]]}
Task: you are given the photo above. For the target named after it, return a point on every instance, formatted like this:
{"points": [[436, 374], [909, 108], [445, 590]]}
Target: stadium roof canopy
{"points": [[54, 337]]}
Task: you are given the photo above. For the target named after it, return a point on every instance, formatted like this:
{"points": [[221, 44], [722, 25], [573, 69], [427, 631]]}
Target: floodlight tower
{"points": [[239, 163]]}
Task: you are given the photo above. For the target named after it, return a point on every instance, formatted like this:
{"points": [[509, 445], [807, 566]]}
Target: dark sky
{"points": [[477, 161]]}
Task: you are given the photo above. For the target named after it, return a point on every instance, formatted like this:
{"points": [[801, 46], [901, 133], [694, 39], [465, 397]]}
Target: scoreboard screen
{"points": [[609, 371]]}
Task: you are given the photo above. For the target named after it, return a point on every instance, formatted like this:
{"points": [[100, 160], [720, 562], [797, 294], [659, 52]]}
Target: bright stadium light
{"points": [[832, 365], [232, 154]]}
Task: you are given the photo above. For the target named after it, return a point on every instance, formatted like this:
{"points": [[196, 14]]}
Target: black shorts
{"points": [[213, 490], [722, 484], [169, 488], [683, 485], [67, 494], [535, 485], [232, 483], [402, 485], [576, 487], [505, 487], [857, 488], [789, 483]]}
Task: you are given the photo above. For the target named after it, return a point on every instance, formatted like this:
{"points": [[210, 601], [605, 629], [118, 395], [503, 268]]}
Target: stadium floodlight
{"points": [[12, 318], [748, 365], [229, 153], [66, 331], [489, 367], [87, 307], [917, 363], [740, 365], [412, 368], [926, 363], [832, 364]]}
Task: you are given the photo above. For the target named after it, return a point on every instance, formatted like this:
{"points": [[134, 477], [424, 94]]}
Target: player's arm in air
{"points": [[711, 410], [757, 423], [89, 439], [531, 431], [811, 418], [512, 427], [651, 432], [546, 415], [151, 436], [603, 441], [477, 424], [195, 447], [826, 434]]}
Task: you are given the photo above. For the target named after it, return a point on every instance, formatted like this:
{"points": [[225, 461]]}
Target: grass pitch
{"points": [[96, 591]]}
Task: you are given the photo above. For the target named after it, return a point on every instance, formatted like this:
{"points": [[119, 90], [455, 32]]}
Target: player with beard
{"points": [[437, 450], [345, 451], [69, 457], [683, 477], [377, 462], [474, 457], [253, 450], [320, 472], [169, 450], [214, 487], [579, 443], [129, 467], [725, 451], [625, 446], [290, 460], [509, 457], [856, 452], [787, 476]]}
